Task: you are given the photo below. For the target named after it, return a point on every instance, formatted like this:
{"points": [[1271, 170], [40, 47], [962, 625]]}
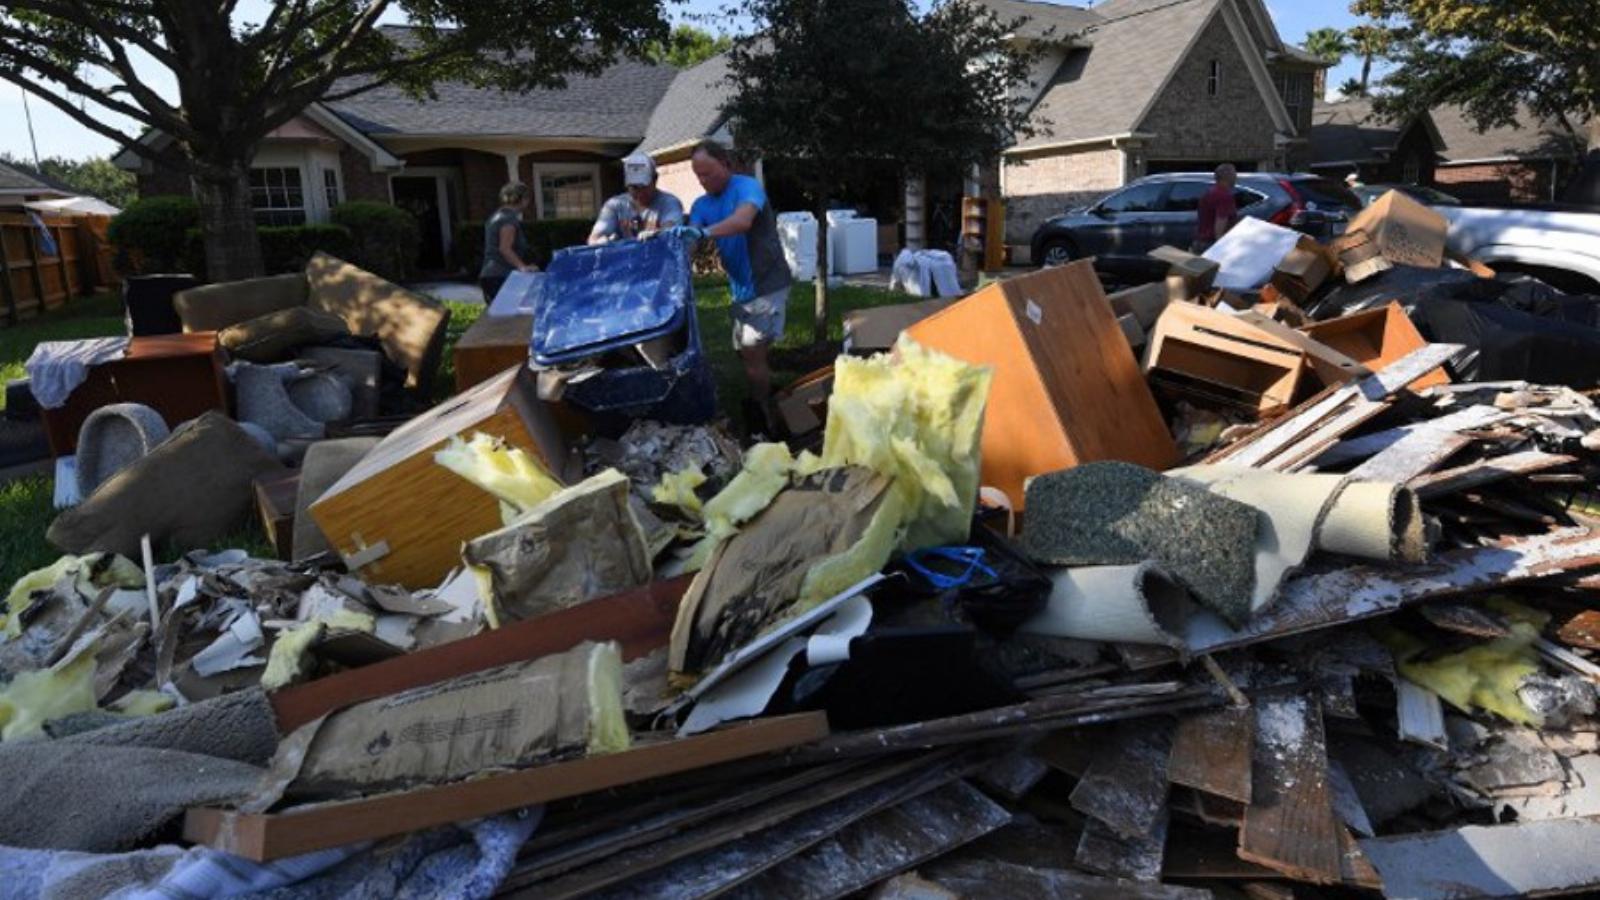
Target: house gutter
{"points": [[1116, 141]]}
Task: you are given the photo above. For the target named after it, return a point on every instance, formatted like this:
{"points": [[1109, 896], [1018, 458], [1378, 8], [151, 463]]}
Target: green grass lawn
{"points": [[25, 509]]}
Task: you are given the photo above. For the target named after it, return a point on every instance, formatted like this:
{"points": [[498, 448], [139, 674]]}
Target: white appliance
{"points": [[852, 244], [797, 231]]}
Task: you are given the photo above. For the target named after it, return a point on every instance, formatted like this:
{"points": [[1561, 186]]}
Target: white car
{"points": [[1552, 245]]}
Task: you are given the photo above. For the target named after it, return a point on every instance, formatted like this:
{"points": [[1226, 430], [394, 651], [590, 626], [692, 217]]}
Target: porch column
{"points": [[511, 166], [916, 224]]}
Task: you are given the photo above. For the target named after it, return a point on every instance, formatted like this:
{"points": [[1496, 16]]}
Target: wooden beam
{"points": [[268, 836], [34, 267], [640, 620], [1488, 471]]}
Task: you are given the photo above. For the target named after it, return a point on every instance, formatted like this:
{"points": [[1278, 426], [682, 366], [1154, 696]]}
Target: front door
{"points": [[420, 195]]}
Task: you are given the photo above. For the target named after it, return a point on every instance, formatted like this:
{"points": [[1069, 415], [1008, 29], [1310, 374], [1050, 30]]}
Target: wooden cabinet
{"points": [[177, 375]]}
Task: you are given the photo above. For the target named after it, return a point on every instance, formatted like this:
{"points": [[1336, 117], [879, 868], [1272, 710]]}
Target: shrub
{"points": [[545, 237], [384, 237], [149, 234], [284, 248]]}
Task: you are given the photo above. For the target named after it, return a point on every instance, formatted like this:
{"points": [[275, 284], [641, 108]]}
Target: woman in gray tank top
{"points": [[505, 246]]}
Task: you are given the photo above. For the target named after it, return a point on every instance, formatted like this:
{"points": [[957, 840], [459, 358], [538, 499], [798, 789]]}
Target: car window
{"points": [[1139, 198], [1185, 196], [1244, 197], [1325, 193]]}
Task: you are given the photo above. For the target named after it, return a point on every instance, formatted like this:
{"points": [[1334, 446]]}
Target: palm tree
{"points": [[1372, 42], [1330, 44]]}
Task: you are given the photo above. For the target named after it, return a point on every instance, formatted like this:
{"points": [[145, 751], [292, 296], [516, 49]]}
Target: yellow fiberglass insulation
{"points": [[765, 473], [34, 698], [285, 663], [916, 416], [511, 474], [89, 573], [1485, 676], [677, 489]]}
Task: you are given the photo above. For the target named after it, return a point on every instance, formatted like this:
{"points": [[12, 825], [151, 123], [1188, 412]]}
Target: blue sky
{"points": [[59, 135]]}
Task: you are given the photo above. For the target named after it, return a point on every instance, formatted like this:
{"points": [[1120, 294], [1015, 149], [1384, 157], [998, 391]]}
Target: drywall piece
{"points": [[1125, 786], [1527, 858], [1322, 599], [1066, 389], [1487, 471], [881, 846], [1420, 714], [1211, 752], [1289, 825], [1249, 252]]}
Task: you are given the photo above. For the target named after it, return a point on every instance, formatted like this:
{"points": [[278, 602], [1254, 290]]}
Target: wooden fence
{"points": [[32, 282]]}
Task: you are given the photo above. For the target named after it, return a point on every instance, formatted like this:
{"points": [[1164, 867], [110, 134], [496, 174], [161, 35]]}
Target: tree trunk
{"points": [[1366, 72], [819, 322], [228, 223], [1319, 85]]}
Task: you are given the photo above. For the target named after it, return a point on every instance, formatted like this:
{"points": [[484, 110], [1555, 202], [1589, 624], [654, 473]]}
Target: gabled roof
{"points": [[1348, 132], [1059, 21], [1530, 139], [1104, 90], [691, 107], [14, 181], [614, 105]]}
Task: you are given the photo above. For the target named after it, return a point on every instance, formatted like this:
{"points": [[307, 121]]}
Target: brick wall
{"points": [[1519, 182], [1189, 123], [1038, 187], [677, 179], [360, 182]]}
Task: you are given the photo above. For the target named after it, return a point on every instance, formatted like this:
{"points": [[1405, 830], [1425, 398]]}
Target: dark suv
{"points": [[1163, 209]]}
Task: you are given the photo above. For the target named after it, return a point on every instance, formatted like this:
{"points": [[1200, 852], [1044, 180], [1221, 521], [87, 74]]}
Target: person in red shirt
{"points": [[1218, 212]]}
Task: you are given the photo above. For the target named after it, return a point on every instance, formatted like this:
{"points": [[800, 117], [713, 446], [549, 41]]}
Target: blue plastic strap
{"points": [[970, 557]]}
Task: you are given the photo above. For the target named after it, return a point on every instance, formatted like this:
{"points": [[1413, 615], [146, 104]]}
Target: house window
{"points": [[1214, 79], [568, 192], [277, 197], [330, 188]]}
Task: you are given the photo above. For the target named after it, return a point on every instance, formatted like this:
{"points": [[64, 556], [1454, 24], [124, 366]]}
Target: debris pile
{"points": [[1284, 604]]}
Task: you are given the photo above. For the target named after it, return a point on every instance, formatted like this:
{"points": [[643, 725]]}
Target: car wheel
{"points": [[1056, 253]]}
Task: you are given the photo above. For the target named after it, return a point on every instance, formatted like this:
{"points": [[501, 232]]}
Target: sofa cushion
{"points": [[410, 326], [216, 306], [275, 336]]}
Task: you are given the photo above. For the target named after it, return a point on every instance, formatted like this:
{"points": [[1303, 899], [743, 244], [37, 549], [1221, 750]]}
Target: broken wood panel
{"points": [[1211, 752], [1013, 775], [1527, 858], [881, 846], [1311, 427], [1465, 618], [1419, 714], [1416, 454], [1289, 825], [1357, 869], [1582, 630], [720, 856], [1126, 786], [1487, 471], [1323, 599], [268, 836], [640, 620], [1351, 449], [1105, 852]]}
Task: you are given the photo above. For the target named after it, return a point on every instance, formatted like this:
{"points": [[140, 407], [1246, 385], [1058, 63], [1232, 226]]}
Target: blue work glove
{"points": [[687, 232]]}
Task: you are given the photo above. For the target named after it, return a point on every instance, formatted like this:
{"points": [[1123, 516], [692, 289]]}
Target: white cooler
{"points": [[797, 231]]}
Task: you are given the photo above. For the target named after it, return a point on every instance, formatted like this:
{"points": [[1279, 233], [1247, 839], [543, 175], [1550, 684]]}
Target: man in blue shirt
{"points": [[735, 213]]}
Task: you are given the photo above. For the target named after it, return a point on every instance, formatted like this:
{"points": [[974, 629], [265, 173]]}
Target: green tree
{"points": [[1330, 44], [1492, 57], [238, 80], [688, 47], [841, 88], [94, 177], [1372, 43]]}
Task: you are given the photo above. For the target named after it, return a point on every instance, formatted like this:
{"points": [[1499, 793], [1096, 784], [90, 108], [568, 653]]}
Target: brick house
{"points": [[445, 159], [1523, 163]]}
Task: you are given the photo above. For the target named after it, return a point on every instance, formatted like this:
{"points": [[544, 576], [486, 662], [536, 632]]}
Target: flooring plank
{"points": [[1290, 825], [1211, 752]]}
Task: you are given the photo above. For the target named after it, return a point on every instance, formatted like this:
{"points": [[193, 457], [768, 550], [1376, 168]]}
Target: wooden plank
{"points": [[881, 846], [1125, 786], [1488, 471], [1211, 752], [1553, 856], [1414, 455], [1105, 852], [1289, 825], [640, 620], [1322, 599], [7, 290], [269, 836], [986, 879], [34, 269], [62, 262], [1420, 715]]}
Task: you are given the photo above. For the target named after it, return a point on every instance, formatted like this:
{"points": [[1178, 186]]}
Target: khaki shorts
{"points": [[760, 321]]}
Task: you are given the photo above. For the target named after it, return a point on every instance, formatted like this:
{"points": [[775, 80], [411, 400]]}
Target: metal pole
{"points": [[28, 114]]}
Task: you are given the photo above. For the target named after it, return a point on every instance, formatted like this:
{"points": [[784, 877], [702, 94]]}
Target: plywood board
{"points": [[1105, 852], [1289, 825], [269, 836], [1125, 786], [1211, 752], [639, 620], [1487, 471]]}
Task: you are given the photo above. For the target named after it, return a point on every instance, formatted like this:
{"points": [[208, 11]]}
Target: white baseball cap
{"points": [[638, 170]]}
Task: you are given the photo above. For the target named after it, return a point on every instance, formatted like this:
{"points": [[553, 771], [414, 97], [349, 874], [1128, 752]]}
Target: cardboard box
{"points": [[803, 406], [1197, 272], [874, 330], [1146, 301], [400, 518], [1405, 232], [1303, 270], [1067, 388], [1375, 338]]}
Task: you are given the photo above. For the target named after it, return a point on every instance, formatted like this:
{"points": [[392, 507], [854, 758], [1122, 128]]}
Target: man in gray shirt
{"points": [[641, 211]]}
